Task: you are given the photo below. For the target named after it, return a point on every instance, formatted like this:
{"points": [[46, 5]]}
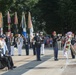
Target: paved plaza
{"points": [[27, 65]]}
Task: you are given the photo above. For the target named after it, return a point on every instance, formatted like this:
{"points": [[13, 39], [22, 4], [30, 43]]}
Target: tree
{"points": [[15, 5], [59, 15], [48, 14]]}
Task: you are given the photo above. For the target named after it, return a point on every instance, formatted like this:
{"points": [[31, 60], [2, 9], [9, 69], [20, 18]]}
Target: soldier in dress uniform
{"points": [[42, 43], [12, 44], [38, 46], [19, 41], [8, 43], [33, 45], [27, 44]]}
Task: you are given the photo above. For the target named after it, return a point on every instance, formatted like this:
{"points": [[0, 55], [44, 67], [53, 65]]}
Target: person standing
{"points": [[12, 44], [5, 49], [8, 43], [55, 46], [19, 41], [27, 44], [38, 46], [59, 41], [42, 43], [33, 45]]}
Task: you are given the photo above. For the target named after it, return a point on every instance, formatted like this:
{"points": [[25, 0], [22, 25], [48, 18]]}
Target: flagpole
{"points": [[23, 24], [30, 26], [16, 21], [1, 24], [9, 21]]}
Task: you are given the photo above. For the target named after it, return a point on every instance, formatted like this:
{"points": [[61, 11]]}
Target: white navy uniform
{"points": [[12, 46], [42, 45], [19, 45]]}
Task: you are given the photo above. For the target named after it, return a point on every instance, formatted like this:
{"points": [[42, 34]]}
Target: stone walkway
{"points": [[27, 65], [70, 69]]}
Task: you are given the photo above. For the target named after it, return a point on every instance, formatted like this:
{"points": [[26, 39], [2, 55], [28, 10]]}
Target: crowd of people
{"points": [[68, 43], [38, 43]]}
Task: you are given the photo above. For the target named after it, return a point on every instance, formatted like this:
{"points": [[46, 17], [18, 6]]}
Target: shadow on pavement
{"points": [[26, 67]]}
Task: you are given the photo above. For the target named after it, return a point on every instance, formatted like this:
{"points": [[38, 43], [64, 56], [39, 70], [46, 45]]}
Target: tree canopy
{"points": [[47, 15]]}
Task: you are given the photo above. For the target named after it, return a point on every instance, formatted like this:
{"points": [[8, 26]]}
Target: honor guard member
{"points": [[19, 44], [33, 45], [38, 46], [42, 43], [8, 43], [55, 46], [12, 44], [27, 43]]}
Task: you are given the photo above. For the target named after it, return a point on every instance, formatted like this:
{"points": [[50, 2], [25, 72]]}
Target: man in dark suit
{"points": [[55, 46]]}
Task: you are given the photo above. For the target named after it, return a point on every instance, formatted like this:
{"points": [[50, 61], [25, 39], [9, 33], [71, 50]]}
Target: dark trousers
{"points": [[2, 63], [38, 53], [27, 49], [9, 49], [55, 52], [10, 61], [6, 61], [34, 49], [72, 54]]}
